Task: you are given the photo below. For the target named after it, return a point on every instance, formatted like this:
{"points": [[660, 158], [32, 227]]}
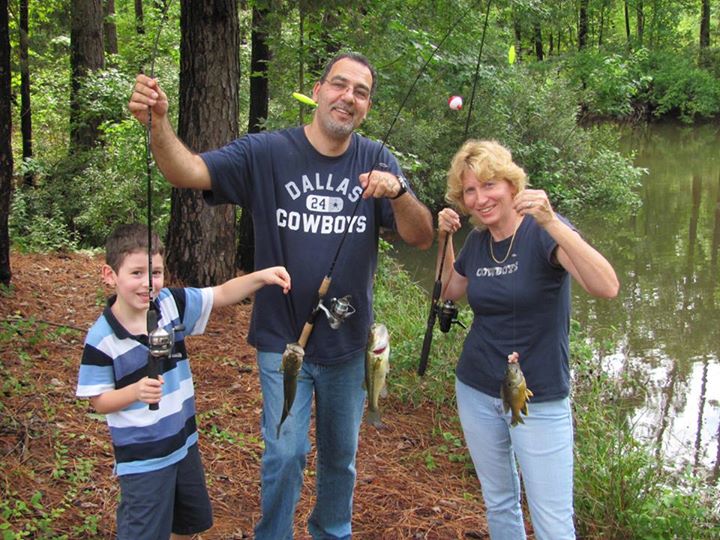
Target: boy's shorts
{"points": [[173, 499]]}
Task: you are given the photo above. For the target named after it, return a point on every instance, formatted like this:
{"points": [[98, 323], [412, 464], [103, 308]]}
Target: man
{"points": [[308, 188]]}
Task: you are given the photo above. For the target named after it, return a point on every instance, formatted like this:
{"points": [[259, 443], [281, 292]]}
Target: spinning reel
{"points": [[160, 343], [447, 315], [339, 310]]}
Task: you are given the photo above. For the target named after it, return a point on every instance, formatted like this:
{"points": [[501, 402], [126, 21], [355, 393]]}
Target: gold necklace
{"points": [[509, 247]]}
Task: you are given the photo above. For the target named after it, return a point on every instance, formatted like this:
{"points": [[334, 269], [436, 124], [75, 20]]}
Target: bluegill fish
{"points": [[515, 393], [292, 360], [377, 366]]}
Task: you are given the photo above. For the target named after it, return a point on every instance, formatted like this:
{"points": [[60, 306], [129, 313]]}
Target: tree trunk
{"points": [[259, 59], [25, 107], [201, 239], [705, 25], [583, 25], [640, 16], [259, 98], [627, 22], [537, 38], [139, 17], [86, 41], [6, 157], [109, 28], [301, 60]]}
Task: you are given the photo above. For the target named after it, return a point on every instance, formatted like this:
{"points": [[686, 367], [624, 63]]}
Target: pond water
{"points": [[665, 322]]}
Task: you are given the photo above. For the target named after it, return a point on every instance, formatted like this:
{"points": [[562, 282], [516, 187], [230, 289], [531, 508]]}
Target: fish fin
{"points": [[529, 393], [505, 402], [384, 391]]}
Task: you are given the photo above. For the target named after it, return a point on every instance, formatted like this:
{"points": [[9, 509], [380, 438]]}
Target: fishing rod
{"points": [[447, 312], [160, 340], [340, 309]]}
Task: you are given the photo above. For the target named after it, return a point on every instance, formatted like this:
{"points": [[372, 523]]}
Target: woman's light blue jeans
{"points": [[544, 449], [339, 400]]}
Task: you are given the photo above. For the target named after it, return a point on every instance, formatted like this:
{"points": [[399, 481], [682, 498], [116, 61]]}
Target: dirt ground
{"points": [[413, 480]]}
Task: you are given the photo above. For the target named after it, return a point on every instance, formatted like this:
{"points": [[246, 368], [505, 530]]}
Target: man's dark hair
{"points": [[356, 57], [127, 239]]}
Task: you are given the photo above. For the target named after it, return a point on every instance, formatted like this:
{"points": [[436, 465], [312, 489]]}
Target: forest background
{"points": [[548, 79]]}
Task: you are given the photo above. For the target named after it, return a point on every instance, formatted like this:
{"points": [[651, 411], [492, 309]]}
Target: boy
{"points": [[162, 482]]}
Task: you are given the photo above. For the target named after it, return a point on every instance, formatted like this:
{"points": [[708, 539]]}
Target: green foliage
{"points": [[679, 88], [103, 96], [577, 166], [609, 83], [37, 222], [77, 201]]}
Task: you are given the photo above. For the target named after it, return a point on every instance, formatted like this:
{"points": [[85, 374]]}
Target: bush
{"points": [[681, 89], [577, 166], [37, 224], [609, 83]]}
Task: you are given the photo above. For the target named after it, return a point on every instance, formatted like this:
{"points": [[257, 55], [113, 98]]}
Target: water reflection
{"points": [[666, 320]]}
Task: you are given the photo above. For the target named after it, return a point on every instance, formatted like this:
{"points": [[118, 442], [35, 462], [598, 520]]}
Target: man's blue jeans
{"points": [[544, 449], [339, 400]]}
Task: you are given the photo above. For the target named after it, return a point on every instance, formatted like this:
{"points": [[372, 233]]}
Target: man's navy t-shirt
{"points": [[302, 203]]}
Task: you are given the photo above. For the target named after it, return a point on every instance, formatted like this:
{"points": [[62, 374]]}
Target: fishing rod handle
{"points": [[427, 341], [153, 372], [425, 354], [305, 335]]}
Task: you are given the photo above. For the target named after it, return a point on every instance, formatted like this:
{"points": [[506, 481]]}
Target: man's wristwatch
{"points": [[403, 187]]}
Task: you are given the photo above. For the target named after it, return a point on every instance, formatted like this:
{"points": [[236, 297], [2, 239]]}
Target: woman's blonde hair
{"points": [[487, 160]]}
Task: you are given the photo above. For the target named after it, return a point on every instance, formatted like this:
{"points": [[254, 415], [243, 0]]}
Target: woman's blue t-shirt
{"points": [[520, 305]]}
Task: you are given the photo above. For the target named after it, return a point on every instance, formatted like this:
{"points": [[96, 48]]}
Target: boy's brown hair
{"points": [[127, 239]]}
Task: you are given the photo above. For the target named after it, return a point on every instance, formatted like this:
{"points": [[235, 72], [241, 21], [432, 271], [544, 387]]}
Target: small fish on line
{"points": [[292, 360], [377, 366], [514, 392]]}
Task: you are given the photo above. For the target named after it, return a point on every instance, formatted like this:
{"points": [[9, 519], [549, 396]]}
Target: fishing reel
{"points": [[447, 314], [339, 310], [160, 342], [160, 345]]}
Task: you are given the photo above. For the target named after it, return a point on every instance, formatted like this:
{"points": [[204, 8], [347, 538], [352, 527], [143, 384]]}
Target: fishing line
{"points": [[327, 279], [148, 161], [437, 288], [376, 161]]}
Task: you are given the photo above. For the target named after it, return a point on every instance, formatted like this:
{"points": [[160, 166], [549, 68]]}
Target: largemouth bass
{"points": [[515, 393], [292, 360], [377, 366]]}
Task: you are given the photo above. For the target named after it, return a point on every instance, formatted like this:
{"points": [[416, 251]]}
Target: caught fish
{"points": [[292, 360], [515, 393], [377, 366]]}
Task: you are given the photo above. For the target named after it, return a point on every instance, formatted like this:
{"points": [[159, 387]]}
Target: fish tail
{"points": [[373, 417], [285, 414]]}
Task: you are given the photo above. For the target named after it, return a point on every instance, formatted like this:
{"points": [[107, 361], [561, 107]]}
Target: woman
{"points": [[515, 268]]}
